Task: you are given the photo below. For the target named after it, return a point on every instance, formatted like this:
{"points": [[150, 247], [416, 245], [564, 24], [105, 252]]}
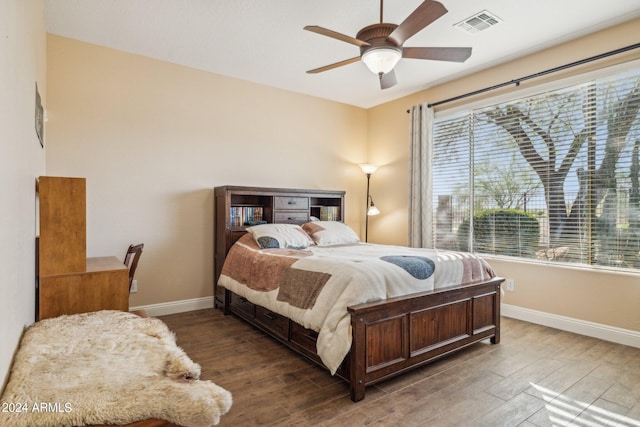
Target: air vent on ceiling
{"points": [[478, 22]]}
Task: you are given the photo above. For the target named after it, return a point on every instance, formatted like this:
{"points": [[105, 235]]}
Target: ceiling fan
{"points": [[381, 45]]}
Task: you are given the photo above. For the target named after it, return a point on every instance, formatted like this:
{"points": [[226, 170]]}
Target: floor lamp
{"points": [[370, 207]]}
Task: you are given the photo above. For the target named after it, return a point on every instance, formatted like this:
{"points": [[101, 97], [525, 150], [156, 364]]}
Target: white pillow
{"points": [[269, 236], [330, 233]]}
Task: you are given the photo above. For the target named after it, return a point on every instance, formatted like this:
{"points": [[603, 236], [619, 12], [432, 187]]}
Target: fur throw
{"points": [[107, 367]]}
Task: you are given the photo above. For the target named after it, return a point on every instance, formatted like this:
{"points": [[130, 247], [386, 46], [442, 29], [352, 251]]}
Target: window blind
{"points": [[551, 177]]}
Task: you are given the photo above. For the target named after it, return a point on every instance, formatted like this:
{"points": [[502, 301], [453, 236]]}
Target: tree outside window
{"points": [[569, 158]]}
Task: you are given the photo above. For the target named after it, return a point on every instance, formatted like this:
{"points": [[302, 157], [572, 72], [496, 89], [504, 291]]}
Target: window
{"points": [[551, 177]]}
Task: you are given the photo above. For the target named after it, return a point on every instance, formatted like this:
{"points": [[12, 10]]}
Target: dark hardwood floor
{"points": [[536, 376]]}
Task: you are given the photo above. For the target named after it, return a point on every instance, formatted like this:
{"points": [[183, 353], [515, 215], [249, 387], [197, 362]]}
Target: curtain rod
{"points": [[533, 76]]}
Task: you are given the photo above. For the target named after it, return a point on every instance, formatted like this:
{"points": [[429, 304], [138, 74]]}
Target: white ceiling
{"points": [[263, 41]]}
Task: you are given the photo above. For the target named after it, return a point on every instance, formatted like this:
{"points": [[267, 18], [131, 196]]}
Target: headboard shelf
{"points": [[235, 205]]}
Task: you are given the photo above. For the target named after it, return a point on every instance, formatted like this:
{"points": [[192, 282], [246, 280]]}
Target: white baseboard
{"points": [[582, 327], [174, 307]]}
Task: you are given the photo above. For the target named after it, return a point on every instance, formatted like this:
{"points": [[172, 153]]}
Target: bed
{"points": [[365, 312]]}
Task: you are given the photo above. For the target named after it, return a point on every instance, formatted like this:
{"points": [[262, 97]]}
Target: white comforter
{"points": [[353, 274]]}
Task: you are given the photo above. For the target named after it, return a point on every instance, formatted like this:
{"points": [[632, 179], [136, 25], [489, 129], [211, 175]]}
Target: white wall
{"points": [[22, 64]]}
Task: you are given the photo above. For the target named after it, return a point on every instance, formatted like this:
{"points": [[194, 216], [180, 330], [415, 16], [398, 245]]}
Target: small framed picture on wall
{"points": [[39, 118]]}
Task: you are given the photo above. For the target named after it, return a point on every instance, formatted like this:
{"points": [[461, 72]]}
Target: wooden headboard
{"points": [[236, 207]]}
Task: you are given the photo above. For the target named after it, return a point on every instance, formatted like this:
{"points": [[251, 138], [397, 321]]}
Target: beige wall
{"points": [[22, 64], [601, 297], [154, 138]]}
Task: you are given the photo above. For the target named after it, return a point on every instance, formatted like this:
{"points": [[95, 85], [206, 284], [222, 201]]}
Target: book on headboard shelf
{"points": [[329, 213], [246, 215]]}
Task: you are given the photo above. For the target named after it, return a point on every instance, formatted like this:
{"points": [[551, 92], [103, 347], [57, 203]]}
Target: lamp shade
{"points": [[367, 168], [373, 210], [381, 59]]}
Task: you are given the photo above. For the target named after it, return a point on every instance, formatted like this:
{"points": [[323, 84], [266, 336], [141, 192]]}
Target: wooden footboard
{"points": [[395, 335]]}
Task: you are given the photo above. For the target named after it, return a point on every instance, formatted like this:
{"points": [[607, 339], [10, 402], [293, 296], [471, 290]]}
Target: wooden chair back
{"points": [[131, 259]]}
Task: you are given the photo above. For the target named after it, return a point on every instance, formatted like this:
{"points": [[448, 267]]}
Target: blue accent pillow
{"points": [[419, 267], [266, 242]]}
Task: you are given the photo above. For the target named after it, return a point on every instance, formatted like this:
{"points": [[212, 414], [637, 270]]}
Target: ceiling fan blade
{"points": [[388, 80], [332, 66], [335, 35], [453, 54], [424, 15]]}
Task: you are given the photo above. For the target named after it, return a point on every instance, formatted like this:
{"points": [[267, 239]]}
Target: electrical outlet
{"points": [[510, 284], [134, 286]]}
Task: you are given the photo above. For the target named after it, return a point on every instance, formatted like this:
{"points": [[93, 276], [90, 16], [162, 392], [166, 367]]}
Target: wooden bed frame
{"points": [[395, 335], [388, 337]]}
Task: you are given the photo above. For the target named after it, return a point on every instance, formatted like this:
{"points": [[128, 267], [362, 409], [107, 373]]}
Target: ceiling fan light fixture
{"points": [[381, 60], [381, 44]]}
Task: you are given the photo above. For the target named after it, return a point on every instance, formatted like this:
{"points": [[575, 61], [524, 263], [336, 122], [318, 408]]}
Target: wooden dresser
{"points": [[67, 281], [235, 207]]}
